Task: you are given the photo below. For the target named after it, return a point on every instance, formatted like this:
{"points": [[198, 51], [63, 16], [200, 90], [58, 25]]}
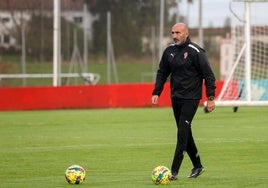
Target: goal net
{"points": [[247, 81]]}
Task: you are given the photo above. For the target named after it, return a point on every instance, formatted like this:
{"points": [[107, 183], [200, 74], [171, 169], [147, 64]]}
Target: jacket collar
{"points": [[188, 40]]}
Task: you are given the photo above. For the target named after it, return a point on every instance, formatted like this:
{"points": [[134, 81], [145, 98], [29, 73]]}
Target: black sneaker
{"points": [[173, 177], [196, 172]]}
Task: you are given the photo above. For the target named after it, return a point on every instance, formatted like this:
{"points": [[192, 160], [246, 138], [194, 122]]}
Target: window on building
{"points": [[6, 39], [78, 19], [5, 20]]}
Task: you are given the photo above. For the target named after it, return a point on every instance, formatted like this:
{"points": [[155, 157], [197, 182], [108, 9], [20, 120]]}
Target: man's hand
{"points": [[154, 99], [210, 105]]}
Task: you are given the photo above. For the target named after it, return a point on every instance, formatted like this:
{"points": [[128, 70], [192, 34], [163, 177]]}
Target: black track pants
{"points": [[184, 111]]}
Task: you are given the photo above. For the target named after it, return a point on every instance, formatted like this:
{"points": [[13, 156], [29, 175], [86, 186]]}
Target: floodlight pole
{"points": [[23, 51], [85, 22], [108, 47], [200, 28], [161, 29], [154, 65], [178, 11], [248, 52], [56, 44]]}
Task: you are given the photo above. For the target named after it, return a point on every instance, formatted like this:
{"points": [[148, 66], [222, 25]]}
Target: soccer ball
{"points": [[161, 175], [75, 174]]}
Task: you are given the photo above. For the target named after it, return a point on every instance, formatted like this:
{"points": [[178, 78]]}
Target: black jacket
{"points": [[187, 66]]}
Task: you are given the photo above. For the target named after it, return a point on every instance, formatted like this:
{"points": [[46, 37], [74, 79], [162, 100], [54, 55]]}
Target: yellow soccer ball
{"points": [[161, 175], [75, 174]]}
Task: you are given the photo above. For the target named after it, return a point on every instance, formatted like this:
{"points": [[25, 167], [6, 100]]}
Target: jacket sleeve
{"points": [[207, 74], [162, 74]]}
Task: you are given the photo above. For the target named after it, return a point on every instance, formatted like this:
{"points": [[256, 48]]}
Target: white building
{"points": [[11, 15]]}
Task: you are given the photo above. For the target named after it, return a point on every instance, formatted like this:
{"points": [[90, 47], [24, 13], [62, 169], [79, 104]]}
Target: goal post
{"points": [[247, 81]]}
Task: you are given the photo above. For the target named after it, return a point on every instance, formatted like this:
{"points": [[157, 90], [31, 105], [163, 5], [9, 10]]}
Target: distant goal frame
{"points": [[246, 51]]}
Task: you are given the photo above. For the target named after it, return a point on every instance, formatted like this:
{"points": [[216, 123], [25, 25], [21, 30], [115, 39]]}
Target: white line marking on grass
{"points": [[234, 140], [74, 147]]}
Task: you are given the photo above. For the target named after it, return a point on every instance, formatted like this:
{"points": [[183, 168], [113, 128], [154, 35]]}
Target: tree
{"points": [[176, 15], [227, 24], [35, 34], [130, 21]]}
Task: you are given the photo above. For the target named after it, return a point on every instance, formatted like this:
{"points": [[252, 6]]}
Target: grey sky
{"points": [[215, 12]]}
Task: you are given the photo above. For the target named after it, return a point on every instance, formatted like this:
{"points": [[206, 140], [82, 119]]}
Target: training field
{"points": [[119, 147]]}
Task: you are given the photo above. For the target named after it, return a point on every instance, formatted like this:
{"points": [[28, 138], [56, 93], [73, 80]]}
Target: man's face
{"points": [[179, 34]]}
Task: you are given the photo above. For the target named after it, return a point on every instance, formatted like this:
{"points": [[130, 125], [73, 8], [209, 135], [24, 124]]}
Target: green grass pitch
{"points": [[119, 147]]}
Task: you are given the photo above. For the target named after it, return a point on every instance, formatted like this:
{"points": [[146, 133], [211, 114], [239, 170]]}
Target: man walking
{"points": [[187, 65]]}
